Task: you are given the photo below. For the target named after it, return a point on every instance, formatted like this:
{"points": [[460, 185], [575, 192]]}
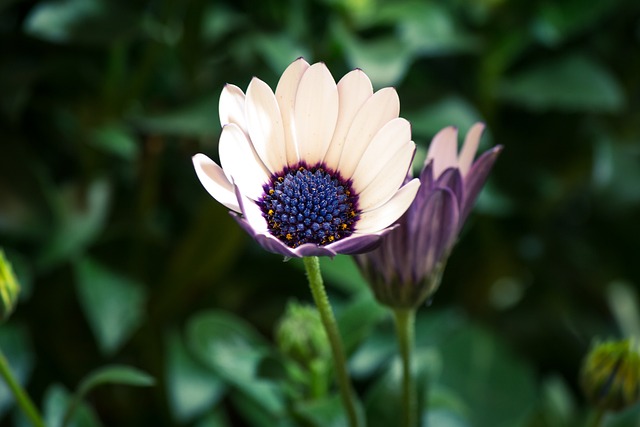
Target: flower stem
{"points": [[405, 331], [23, 399], [312, 265]]}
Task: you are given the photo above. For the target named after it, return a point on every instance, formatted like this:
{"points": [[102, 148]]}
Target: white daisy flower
{"points": [[314, 168]]}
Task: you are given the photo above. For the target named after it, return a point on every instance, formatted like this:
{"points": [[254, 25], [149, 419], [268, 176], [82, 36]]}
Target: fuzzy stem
{"points": [[312, 265], [22, 398], [405, 331]]}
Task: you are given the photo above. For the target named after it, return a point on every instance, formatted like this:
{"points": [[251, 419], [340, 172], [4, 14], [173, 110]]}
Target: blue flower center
{"points": [[309, 205]]}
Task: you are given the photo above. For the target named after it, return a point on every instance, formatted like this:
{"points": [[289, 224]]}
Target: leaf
{"points": [[385, 59], [278, 49], [342, 272], [498, 388], [383, 401], [56, 401], [78, 21], [81, 215], [197, 119], [327, 412], [113, 304], [357, 320], [449, 111], [115, 374], [192, 389], [115, 139], [17, 350], [231, 347], [574, 83], [215, 419], [426, 28]]}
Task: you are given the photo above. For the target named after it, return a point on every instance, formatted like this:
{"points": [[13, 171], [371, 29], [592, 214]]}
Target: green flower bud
{"points": [[9, 288], [610, 376], [301, 336]]}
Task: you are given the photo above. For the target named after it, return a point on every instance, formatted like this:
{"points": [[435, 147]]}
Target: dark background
{"points": [[117, 245]]}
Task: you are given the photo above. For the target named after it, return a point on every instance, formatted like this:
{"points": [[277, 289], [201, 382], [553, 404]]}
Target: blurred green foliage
{"points": [[124, 258]]}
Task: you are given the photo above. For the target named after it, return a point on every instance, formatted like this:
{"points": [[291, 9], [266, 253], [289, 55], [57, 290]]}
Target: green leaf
{"points": [[449, 111], [192, 388], [81, 215], [197, 119], [385, 59], [498, 388], [231, 347], [78, 21], [113, 304], [115, 374], [426, 28], [327, 412], [574, 83], [115, 139], [56, 401], [555, 22], [357, 319], [215, 419], [342, 272], [383, 401], [15, 345], [279, 50]]}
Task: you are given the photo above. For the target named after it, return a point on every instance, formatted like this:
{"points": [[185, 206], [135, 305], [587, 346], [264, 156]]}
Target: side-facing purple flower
{"points": [[314, 168], [407, 266]]}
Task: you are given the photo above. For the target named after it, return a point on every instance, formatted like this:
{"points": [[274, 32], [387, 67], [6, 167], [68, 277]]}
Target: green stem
{"points": [[405, 331], [21, 396], [312, 265]]}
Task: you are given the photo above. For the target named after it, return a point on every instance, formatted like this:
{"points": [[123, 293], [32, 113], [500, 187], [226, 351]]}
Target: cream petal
{"points": [[214, 180], [353, 90], [264, 123], [231, 107], [379, 109], [443, 150], [394, 136], [252, 214], [470, 147], [241, 163], [286, 97], [383, 216], [316, 113], [387, 181]]}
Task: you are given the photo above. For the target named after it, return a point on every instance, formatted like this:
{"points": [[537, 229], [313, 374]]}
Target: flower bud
{"points": [[610, 376], [9, 288], [301, 336]]}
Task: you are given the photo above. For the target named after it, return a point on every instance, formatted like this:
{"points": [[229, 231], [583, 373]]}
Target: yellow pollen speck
{"points": [[331, 238], [343, 226], [270, 212], [271, 191], [300, 169], [289, 236], [348, 193], [280, 179], [352, 214]]}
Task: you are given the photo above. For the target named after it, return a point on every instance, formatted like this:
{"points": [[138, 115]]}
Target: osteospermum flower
{"points": [[314, 168], [407, 266]]}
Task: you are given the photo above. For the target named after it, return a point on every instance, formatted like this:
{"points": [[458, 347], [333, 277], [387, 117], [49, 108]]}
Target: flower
{"points": [[610, 375], [407, 266], [314, 168]]}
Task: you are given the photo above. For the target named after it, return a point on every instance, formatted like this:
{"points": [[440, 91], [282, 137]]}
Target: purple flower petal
{"points": [[435, 232], [476, 179]]}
